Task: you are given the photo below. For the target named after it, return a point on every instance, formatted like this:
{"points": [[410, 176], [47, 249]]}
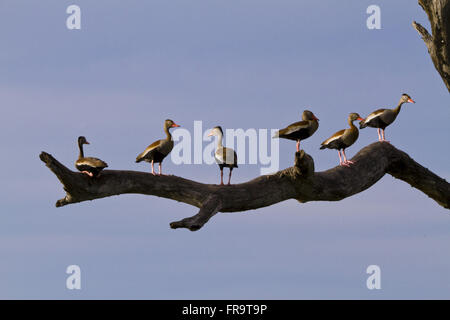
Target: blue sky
{"points": [[238, 64]]}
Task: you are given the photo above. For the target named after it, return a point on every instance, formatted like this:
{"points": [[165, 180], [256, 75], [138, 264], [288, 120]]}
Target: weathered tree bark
{"points": [[438, 12], [298, 182]]}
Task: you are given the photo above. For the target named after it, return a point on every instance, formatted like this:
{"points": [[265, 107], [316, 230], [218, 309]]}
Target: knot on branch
{"points": [[303, 164]]}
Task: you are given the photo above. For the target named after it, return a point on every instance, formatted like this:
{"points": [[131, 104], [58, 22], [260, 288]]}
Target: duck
{"points": [[225, 157], [382, 118], [88, 165], [300, 130], [343, 139], [158, 150]]}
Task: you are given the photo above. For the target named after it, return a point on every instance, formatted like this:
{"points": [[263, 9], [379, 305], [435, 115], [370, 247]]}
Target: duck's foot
{"points": [[90, 174]]}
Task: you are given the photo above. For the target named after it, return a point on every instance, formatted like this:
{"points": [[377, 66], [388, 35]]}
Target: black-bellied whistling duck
{"points": [[88, 165], [225, 157], [381, 118], [300, 130], [158, 150], [343, 139]]}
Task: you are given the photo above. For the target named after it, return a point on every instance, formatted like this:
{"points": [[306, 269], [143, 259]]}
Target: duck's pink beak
{"points": [[175, 125], [315, 118], [210, 134], [411, 101], [360, 119]]}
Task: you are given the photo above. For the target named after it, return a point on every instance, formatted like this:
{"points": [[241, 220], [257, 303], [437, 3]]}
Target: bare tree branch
{"points": [[298, 182], [438, 12]]}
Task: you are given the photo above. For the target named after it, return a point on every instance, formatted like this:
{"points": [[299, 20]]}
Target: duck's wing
{"points": [[165, 147], [91, 162], [151, 147], [374, 115], [294, 127], [335, 136]]}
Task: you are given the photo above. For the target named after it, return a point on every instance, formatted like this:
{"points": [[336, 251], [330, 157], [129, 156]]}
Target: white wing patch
{"points": [[331, 139], [373, 115], [151, 147], [84, 163], [296, 128], [91, 162]]}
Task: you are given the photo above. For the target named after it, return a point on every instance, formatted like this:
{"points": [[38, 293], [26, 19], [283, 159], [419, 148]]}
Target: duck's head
{"points": [[406, 99], [170, 124], [354, 116], [82, 140], [308, 115], [216, 131]]}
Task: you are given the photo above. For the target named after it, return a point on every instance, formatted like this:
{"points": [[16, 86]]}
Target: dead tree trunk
{"points": [[438, 12], [298, 182]]}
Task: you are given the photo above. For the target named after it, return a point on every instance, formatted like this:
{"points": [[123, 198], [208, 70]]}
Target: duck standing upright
{"points": [[88, 165], [158, 150], [382, 118], [300, 130], [225, 157], [343, 139]]}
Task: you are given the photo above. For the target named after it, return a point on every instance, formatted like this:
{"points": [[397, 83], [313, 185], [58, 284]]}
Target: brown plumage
{"points": [[300, 130], [382, 118], [158, 150], [88, 165], [343, 139]]}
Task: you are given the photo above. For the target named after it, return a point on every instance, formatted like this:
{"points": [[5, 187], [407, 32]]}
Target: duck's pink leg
{"points": [[229, 176], [221, 177], [153, 169], [379, 134], [384, 139], [345, 158], [298, 145], [343, 162], [90, 174], [160, 170]]}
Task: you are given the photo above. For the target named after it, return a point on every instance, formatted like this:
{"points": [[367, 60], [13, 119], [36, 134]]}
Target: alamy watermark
{"points": [[251, 146], [73, 21], [374, 20], [374, 280], [73, 281]]}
